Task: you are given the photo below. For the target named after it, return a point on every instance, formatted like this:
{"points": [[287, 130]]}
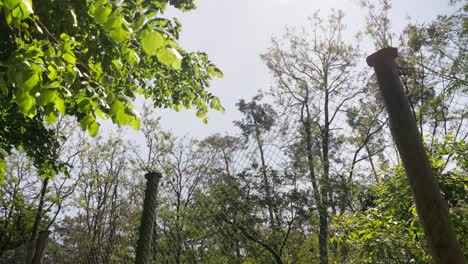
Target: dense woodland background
{"points": [[314, 177]]}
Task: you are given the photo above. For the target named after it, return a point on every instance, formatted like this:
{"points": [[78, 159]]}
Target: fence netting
{"points": [[267, 195]]}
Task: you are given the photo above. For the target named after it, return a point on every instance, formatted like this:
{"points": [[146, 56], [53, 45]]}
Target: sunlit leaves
{"points": [[155, 43], [60, 104], [117, 27], [47, 95], [214, 71], [216, 104], [136, 123], [17, 10], [131, 56], [90, 61], [102, 13], [89, 123], [152, 41], [11, 3], [26, 102], [170, 57]]}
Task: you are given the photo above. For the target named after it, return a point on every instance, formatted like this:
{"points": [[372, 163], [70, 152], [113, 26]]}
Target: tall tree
{"points": [[315, 79]]}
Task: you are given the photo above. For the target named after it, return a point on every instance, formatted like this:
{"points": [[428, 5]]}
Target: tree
{"points": [[314, 80], [258, 120], [431, 65], [34, 201], [50, 66], [256, 205], [374, 234], [17, 203], [107, 202]]}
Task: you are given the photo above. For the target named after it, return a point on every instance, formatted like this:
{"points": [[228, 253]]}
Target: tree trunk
{"points": [[323, 227], [266, 182]]}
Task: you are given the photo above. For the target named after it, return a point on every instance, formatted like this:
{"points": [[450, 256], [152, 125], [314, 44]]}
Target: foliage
{"points": [[387, 228], [312, 177], [90, 59]]}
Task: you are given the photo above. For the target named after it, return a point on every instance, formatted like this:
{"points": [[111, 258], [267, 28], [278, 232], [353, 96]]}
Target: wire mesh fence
{"points": [[266, 196]]}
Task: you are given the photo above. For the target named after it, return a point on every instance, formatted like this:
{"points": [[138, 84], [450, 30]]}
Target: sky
{"points": [[235, 33]]}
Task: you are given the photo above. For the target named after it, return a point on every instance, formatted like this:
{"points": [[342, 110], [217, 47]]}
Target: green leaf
{"points": [[151, 42], [119, 34], [69, 57], [218, 73], [60, 104], [136, 124], [26, 102], [20, 9], [201, 113], [117, 106], [85, 106], [101, 14], [100, 114], [70, 75], [52, 72], [51, 117], [86, 122], [131, 56], [11, 3], [169, 57], [47, 96], [117, 27], [93, 129], [31, 82], [123, 118], [215, 103], [28, 5]]}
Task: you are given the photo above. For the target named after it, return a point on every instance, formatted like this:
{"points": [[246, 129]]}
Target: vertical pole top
{"points": [[381, 56], [151, 174]]}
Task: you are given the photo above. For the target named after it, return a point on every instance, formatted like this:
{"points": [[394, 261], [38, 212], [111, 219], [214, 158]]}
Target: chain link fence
{"points": [[253, 198]]}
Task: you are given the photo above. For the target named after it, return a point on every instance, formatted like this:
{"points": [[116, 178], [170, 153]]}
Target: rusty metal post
{"points": [[148, 217], [431, 206]]}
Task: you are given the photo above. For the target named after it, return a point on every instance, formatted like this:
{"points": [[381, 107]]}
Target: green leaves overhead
{"points": [[56, 73], [101, 14], [90, 59], [156, 43], [118, 27], [17, 10], [170, 57], [152, 41]]}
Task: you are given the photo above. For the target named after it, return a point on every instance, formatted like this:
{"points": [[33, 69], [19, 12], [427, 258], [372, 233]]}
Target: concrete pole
{"points": [[148, 217], [430, 204]]}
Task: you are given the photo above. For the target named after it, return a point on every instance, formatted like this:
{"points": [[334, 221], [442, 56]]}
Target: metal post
{"points": [[148, 217], [432, 208]]}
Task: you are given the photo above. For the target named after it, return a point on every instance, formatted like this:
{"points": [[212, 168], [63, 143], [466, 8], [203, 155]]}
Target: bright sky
{"points": [[234, 33]]}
